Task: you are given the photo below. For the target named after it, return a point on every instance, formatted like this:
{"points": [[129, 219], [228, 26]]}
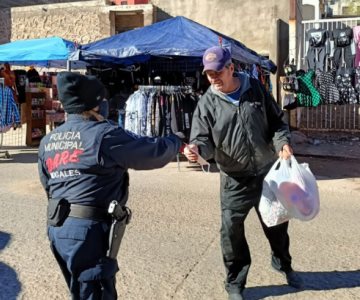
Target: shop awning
{"points": [[44, 52], [175, 37]]}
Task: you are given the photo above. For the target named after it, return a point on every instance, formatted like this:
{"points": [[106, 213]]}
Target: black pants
{"points": [[79, 247], [315, 58], [238, 196], [343, 55]]}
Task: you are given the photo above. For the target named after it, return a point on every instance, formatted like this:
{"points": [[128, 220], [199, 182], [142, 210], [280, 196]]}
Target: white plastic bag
{"points": [[271, 210], [295, 187]]}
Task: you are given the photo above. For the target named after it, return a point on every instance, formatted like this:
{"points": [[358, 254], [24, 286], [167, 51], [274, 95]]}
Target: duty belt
{"points": [[89, 212]]}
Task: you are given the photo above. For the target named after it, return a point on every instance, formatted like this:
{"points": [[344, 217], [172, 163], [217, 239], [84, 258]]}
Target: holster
{"points": [[121, 216], [57, 212]]}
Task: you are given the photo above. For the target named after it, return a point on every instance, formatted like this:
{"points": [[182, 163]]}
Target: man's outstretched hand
{"points": [[191, 152]]}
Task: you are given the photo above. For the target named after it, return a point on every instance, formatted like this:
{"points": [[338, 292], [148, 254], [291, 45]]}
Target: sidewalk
{"points": [[341, 148]]}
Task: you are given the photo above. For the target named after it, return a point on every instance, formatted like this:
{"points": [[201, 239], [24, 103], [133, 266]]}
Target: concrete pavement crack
{"points": [[178, 287]]}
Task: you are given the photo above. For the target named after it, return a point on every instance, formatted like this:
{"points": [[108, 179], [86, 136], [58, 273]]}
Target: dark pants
{"points": [[79, 247], [238, 196]]}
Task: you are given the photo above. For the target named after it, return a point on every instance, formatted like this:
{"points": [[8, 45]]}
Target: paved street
{"points": [[171, 249]]}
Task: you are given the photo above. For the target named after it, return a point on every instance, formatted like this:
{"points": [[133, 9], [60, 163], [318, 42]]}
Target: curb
{"points": [[325, 156]]}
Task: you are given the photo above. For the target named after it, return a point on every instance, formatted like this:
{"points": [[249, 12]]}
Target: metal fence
{"points": [[327, 117], [13, 137]]}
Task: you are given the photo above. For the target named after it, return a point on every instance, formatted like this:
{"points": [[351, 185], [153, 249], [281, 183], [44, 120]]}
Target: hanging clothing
{"points": [[158, 112], [10, 79], [307, 94], [343, 56], [357, 83], [356, 33], [135, 113], [325, 84], [318, 49], [20, 76], [344, 79], [9, 113]]}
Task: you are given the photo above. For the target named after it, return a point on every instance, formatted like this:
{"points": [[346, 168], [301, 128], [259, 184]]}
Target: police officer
{"points": [[83, 167]]}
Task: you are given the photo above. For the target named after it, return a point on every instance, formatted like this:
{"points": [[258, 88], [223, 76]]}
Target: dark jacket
{"points": [[86, 162], [241, 138]]}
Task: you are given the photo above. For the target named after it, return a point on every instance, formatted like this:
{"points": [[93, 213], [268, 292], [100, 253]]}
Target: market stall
{"points": [[35, 94], [175, 37], [165, 56], [50, 52]]}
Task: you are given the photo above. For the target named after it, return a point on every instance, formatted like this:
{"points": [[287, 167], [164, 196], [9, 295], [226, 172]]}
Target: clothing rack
{"points": [[168, 89], [3, 153], [165, 88]]}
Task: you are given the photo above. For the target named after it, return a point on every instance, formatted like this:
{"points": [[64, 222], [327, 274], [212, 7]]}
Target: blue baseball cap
{"points": [[216, 58]]}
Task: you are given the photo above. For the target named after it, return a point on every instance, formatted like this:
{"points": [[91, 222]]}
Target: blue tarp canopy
{"points": [[44, 52], [175, 37]]}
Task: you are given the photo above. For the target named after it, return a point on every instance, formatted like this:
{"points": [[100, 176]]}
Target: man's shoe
{"points": [[294, 280], [235, 296]]}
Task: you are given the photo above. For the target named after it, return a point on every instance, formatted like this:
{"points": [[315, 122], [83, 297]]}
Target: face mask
{"points": [[205, 166]]}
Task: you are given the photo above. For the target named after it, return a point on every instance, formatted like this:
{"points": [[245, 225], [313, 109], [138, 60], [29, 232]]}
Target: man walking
{"points": [[239, 125]]}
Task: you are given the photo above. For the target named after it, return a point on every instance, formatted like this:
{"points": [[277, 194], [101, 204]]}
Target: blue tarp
{"points": [[43, 52], [175, 37]]}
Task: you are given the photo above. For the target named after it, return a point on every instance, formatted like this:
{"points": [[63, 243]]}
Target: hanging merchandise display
{"points": [[357, 80], [290, 82], [9, 113], [356, 34], [333, 69], [344, 83], [307, 95], [318, 49], [343, 55], [325, 84], [160, 110]]}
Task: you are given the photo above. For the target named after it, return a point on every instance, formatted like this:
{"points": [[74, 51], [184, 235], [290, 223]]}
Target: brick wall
{"points": [[76, 23]]}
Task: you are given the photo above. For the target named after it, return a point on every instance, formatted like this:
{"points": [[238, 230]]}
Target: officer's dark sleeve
{"points": [[140, 153], [277, 126], [43, 173]]}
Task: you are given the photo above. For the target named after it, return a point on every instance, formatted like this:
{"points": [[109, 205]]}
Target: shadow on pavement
{"points": [[23, 156], [331, 168], [313, 281], [10, 286]]}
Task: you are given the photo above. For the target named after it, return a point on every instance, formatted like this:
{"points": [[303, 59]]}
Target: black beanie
{"points": [[79, 93]]}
